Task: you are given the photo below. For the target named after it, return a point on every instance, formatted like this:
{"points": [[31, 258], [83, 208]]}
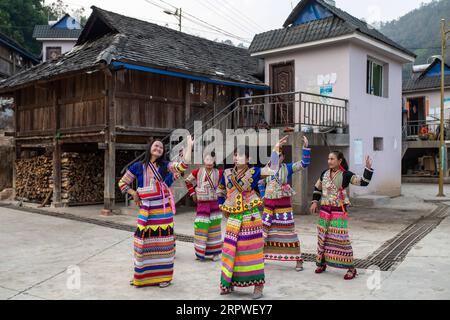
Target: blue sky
{"points": [[240, 18]]}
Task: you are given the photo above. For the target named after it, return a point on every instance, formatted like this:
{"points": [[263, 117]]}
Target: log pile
{"points": [[33, 178], [81, 178]]}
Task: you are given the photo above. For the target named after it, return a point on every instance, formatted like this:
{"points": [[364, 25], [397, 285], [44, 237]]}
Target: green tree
{"points": [[18, 18], [419, 31]]}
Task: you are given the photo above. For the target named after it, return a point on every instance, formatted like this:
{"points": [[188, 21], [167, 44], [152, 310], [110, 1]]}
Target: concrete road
{"points": [[45, 257]]}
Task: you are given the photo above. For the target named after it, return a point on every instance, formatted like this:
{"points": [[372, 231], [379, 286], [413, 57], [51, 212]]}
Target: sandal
{"points": [[299, 266], [351, 274], [226, 291], [258, 292], [132, 282], [164, 284], [321, 269]]}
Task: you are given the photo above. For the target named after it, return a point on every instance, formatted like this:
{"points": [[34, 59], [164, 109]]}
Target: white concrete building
{"points": [[324, 50], [421, 120], [57, 37]]}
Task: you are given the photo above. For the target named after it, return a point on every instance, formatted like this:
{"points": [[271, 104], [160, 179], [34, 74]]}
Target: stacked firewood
{"points": [[82, 178], [33, 178]]}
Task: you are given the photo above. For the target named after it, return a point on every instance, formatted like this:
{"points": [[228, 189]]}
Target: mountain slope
{"points": [[419, 31]]}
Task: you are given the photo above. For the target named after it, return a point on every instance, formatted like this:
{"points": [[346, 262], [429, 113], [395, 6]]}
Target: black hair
{"points": [[160, 161], [213, 155], [242, 150], [340, 156]]}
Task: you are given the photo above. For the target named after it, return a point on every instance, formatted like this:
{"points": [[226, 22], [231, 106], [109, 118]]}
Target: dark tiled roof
{"points": [[82, 57], [156, 45], [4, 39], [425, 83], [320, 29], [47, 32], [421, 81], [109, 37], [315, 30]]}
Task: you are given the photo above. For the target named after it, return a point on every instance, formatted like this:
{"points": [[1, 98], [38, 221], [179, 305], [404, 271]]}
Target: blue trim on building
{"points": [[64, 23], [436, 70], [19, 50], [118, 64], [313, 11]]}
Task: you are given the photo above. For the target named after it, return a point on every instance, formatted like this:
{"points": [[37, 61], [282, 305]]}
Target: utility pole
{"points": [[178, 13], [442, 147]]}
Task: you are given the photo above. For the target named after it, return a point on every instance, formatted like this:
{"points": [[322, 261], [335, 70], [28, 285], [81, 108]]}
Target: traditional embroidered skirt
{"points": [[242, 254], [281, 240], [334, 247], [154, 244], [208, 233]]}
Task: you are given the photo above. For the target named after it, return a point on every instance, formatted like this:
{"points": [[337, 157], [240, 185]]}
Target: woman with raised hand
{"points": [[154, 243], [281, 239], [202, 186], [330, 196], [243, 248]]}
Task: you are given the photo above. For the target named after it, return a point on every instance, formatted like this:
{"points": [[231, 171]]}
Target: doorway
{"points": [[282, 80]]}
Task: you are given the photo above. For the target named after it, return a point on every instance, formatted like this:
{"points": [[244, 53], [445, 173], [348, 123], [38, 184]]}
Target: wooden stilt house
{"points": [[92, 109]]}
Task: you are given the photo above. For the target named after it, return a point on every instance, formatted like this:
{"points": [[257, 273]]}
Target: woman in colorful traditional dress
{"points": [[154, 237], [281, 240], [330, 196], [243, 248], [202, 185]]}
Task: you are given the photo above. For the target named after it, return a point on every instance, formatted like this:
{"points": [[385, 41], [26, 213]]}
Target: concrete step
{"points": [[424, 179], [7, 194], [370, 201]]}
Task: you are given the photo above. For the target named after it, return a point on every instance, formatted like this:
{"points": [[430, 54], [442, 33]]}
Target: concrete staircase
{"points": [[221, 121]]}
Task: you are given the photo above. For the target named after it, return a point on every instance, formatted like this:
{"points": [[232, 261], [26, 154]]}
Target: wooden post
{"points": [[56, 201], [300, 179], [16, 149], [110, 152], [187, 100]]}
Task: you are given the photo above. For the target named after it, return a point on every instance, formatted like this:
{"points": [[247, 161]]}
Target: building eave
{"points": [[184, 75], [57, 39], [424, 90], [353, 36]]}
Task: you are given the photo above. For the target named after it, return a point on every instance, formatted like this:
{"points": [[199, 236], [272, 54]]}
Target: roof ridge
{"points": [[100, 10]]}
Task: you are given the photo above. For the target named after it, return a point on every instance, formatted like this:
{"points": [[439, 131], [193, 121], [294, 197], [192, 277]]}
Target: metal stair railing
{"points": [[222, 115]]}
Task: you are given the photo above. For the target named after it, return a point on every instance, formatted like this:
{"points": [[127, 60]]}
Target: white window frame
{"points": [[370, 85]]}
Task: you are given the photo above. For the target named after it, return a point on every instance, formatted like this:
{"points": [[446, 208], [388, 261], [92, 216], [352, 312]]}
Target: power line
{"points": [[238, 12], [210, 6], [199, 21], [227, 33], [219, 31], [176, 25]]}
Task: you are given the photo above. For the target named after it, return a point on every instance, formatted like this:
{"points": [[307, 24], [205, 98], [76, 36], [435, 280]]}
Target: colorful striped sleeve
{"points": [[221, 191], [358, 180], [191, 181], [177, 167], [128, 178], [262, 187], [304, 163]]}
